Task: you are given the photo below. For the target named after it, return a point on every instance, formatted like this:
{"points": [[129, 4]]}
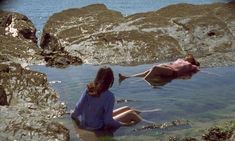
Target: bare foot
{"points": [[121, 77]]}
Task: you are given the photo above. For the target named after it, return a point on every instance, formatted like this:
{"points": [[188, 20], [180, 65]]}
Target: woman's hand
{"points": [[74, 118]]}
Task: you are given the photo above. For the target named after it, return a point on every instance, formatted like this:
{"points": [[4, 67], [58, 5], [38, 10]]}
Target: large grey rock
{"points": [[32, 106], [98, 35], [24, 124], [28, 105], [18, 40]]}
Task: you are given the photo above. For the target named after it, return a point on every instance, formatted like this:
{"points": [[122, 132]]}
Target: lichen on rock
{"points": [[18, 40], [28, 105], [32, 106], [99, 35]]}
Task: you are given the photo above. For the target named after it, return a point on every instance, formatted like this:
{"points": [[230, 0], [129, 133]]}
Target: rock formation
{"points": [[98, 35], [28, 106], [18, 40]]}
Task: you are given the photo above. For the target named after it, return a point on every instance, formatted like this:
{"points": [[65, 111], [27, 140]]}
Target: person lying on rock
{"points": [[94, 110], [178, 68]]}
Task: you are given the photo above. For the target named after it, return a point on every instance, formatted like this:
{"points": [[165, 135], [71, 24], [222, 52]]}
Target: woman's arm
{"points": [[195, 68], [79, 107], [108, 114]]}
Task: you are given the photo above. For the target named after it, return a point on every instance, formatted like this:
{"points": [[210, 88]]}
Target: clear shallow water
{"points": [[203, 99]]}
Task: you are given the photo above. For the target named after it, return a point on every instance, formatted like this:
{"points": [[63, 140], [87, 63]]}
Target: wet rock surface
{"points": [[165, 126], [32, 106], [20, 123], [99, 35], [184, 139], [28, 105], [18, 40], [60, 59], [221, 132]]}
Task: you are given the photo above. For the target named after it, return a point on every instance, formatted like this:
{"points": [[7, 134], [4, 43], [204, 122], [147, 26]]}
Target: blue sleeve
{"points": [[108, 114], [79, 106]]}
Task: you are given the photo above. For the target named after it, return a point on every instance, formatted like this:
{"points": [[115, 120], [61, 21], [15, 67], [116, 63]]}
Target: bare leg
{"points": [[120, 110], [128, 117], [142, 74], [123, 109]]}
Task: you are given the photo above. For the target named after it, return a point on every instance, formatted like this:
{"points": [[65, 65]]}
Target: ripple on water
{"points": [[203, 98]]}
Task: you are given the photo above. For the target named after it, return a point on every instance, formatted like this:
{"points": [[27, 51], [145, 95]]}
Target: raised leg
{"points": [[128, 117], [142, 74], [124, 109], [120, 110]]}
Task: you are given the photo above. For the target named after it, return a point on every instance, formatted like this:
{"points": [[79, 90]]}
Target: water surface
{"points": [[204, 99]]}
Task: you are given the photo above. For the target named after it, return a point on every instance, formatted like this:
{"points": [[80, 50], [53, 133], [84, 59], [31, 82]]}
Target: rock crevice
{"points": [[99, 35]]}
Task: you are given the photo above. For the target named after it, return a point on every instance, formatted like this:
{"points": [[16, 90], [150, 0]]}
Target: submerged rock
{"points": [[220, 132], [184, 139], [23, 124], [98, 35], [166, 125]]}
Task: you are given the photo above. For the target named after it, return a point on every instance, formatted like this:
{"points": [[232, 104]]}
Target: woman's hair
{"points": [[191, 59], [103, 81]]}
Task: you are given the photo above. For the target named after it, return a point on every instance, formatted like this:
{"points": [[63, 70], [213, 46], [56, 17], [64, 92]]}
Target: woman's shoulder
{"points": [[108, 93], [85, 93]]}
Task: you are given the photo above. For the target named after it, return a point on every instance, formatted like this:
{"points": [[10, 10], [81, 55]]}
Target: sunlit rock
{"points": [[18, 40], [99, 35], [31, 106], [22, 123]]}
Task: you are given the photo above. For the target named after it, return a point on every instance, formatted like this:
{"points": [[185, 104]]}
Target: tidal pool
{"points": [[204, 99]]}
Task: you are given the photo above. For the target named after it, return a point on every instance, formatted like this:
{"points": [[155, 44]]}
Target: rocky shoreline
{"points": [[98, 35], [28, 104]]}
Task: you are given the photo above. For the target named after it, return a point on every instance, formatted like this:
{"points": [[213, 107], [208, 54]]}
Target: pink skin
{"points": [[178, 68], [175, 69]]}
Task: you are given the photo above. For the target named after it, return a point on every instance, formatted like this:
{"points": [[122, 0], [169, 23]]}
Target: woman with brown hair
{"points": [[94, 110]]}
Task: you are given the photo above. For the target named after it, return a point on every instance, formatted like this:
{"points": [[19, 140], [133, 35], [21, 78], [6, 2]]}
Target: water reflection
{"points": [[203, 98], [158, 82]]}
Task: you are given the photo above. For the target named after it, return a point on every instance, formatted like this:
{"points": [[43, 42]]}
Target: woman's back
{"points": [[95, 112], [94, 108]]}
